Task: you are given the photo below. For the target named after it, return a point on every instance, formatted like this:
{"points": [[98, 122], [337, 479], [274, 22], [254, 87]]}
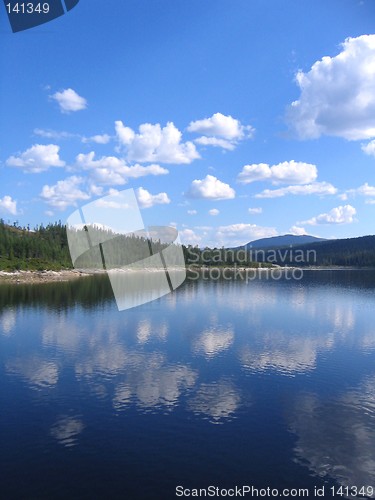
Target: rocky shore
{"points": [[41, 276]]}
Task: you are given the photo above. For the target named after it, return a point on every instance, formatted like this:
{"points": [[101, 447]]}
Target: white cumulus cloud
{"points": [[110, 170], [189, 237], [317, 188], [214, 211], [147, 200], [364, 190], [338, 94], [287, 172], [69, 101], [64, 193], [211, 188], [7, 204], [154, 143], [339, 215], [220, 130], [38, 158], [369, 148]]}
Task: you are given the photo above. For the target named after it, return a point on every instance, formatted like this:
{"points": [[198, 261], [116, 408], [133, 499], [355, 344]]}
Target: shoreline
{"points": [[46, 276], [49, 276]]}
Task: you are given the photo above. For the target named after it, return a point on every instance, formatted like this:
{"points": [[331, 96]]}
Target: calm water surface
{"points": [[270, 383]]}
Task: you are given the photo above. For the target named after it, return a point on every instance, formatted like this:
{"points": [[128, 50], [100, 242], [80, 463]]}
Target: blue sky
{"points": [[231, 119]]}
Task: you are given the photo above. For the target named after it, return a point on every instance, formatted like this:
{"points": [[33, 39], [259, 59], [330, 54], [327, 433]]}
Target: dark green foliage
{"points": [[38, 249], [346, 252], [46, 247], [349, 252]]}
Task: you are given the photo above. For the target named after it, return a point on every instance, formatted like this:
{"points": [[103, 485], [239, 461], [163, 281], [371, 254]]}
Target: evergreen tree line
{"points": [[46, 247], [39, 248], [349, 252]]}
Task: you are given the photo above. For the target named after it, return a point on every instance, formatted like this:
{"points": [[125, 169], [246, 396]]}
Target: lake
{"points": [[266, 384]]}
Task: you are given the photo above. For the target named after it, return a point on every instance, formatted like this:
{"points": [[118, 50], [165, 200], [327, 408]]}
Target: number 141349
{"points": [[28, 8]]}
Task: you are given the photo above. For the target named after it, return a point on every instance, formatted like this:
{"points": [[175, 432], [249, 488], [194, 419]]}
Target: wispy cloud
{"points": [[316, 188]]}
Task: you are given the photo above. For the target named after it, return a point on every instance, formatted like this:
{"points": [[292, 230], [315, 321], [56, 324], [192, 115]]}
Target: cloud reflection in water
{"points": [[216, 401], [153, 383], [336, 438], [8, 322], [66, 430], [37, 372], [213, 341]]}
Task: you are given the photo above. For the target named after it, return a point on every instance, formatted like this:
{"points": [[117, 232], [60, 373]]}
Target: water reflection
{"points": [[151, 382], [216, 401], [336, 438], [139, 384], [214, 340], [61, 333], [287, 356], [66, 431], [38, 373], [342, 319], [106, 360], [87, 292], [282, 327], [145, 331], [8, 321]]}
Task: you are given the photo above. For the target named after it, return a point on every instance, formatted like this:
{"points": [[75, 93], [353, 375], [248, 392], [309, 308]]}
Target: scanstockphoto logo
{"points": [[142, 264], [25, 15]]}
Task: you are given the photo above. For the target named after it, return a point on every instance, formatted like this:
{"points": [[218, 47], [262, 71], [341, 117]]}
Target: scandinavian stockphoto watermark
{"points": [[109, 235], [230, 264]]}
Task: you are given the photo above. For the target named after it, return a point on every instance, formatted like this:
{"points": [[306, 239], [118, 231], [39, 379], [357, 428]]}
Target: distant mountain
{"points": [[343, 252], [282, 241]]}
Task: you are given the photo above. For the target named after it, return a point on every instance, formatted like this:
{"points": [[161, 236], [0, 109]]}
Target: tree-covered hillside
{"points": [[43, 247], [345, 252], [349, 252], [46, 247]]}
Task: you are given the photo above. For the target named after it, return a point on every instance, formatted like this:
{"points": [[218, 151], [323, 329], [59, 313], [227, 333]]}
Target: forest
{"points": [[46, 247], [43, 247]]}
